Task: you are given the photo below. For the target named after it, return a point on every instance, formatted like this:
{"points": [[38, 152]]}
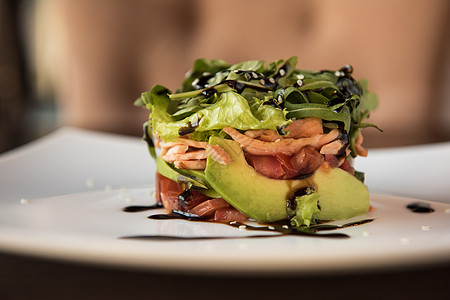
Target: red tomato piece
{"points": [[286, 164], [267, 165], [307, 160], [332, 160], [347, 166], [209, 207], [229, 214], [169, 191], [158, 188], [189, 199]]}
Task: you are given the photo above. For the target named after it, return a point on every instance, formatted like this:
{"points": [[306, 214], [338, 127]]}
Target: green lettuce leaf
{"points": [[253, 95], [231, 109], [306, 207]]}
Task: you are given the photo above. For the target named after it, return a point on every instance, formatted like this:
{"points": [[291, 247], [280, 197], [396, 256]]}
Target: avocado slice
{"points": [[194, 177], [341, 195]]}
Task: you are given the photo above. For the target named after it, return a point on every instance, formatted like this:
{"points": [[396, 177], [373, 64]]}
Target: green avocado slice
{"points": [[341, 195], [193, 177]]}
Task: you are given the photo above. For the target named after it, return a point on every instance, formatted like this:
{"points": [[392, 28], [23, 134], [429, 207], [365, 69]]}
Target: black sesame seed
{"points": [[209, 92], [347, 70]]}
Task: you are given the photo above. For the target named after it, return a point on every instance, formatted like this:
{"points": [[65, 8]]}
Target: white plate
{"points": [[61, 197], [415, 171], [88, 226]]}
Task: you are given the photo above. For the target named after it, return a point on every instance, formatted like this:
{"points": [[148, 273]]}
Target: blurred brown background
{"points": [[82, 63]]}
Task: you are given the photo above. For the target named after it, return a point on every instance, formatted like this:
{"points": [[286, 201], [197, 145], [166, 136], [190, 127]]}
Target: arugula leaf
{"points": [[318, 85], [289, 67], [251, 65], [369, 100], [322, 111], [252, 95], [202, 66], [360, 176]]}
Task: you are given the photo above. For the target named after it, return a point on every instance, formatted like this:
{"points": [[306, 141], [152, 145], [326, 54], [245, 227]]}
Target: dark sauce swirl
{"points": [[189, 127], [420, 207], [282, 228], [139, 208], [146, 136]]}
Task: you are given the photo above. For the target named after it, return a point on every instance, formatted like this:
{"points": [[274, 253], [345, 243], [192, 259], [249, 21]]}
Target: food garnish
{"points": [[262, 142]]}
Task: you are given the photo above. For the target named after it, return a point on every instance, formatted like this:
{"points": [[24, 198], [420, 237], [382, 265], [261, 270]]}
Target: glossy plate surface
{"points": [[62, 197]]}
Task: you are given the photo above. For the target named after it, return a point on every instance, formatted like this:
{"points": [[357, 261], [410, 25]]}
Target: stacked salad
{"points": [[265, 142]]}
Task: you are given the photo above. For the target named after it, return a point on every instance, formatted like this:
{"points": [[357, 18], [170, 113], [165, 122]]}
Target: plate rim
{"points": [[11, 241]]}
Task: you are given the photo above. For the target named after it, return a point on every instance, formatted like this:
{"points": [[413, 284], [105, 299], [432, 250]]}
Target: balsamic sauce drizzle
{"points": [[190, 238], [346, 84], [281, 228], [188, 128], [146, 137], [420, 207], [139, 208]]}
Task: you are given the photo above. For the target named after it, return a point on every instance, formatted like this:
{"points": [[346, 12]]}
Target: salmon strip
{"points": [[190, 164], [218, 154], [267, 135], [163, 151], [192, 155], [177, 149], [307, 127], [287, 146], [332, 148], [360, 150], [181, 141]]}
